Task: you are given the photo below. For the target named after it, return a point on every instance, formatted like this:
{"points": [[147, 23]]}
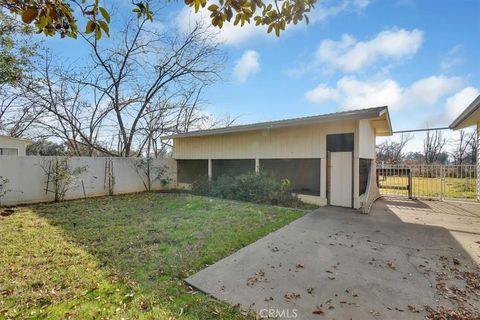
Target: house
{"points": [[471, 117], [10, 146], [329, 159]]}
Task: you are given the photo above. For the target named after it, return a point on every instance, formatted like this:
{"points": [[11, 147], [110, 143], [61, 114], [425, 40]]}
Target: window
{"points": [[342, 142], [8, 152]]}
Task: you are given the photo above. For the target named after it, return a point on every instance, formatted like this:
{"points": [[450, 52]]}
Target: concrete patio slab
{"points": [[339, 264]]}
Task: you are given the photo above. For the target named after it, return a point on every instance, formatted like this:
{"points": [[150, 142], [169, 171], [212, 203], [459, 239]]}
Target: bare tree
{"points": [[472, 147], [17, 115], [65, 111], [175, 113], [143, 65], [143, 84], [393, 151], [462, 146], [433, 145]]}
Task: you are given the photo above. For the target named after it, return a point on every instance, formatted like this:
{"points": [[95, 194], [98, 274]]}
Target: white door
{"points": [[341, 179]]}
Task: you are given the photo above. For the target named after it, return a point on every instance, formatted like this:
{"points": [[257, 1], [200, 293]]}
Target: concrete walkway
{"points": [[335, 263]]}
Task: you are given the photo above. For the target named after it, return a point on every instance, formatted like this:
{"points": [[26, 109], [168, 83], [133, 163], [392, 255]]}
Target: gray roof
{"points": [[324, 118], [469, 111]]}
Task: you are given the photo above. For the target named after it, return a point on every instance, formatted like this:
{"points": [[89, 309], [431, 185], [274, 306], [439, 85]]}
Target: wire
{"points": [[421, 130]]}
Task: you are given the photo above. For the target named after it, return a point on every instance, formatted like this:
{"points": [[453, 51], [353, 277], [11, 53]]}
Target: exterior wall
{"points": [[27, 178], [356, 167], [366, 143], [290, 142], [366, 139], [20, 145]]}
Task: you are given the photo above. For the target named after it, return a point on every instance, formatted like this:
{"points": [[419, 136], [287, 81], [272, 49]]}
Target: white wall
{"points": [[366, 139], [27, 177], [8, 142]]}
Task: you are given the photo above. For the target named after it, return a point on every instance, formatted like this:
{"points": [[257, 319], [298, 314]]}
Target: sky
{"points": [[418, 57]]}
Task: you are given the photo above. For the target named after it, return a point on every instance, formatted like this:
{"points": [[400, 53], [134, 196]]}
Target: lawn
{"points": [[125, 256], [423, 187]]}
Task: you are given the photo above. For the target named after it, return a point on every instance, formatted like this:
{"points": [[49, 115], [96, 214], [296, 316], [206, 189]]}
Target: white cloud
{"points": [[427, 91], [247, 65], [350, 55], [322, 93], [452, 58], [351, 93], [458, 102], [326, 9]]}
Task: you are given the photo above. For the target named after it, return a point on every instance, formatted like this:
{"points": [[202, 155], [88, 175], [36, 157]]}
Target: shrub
{"points": [[258, 188]]}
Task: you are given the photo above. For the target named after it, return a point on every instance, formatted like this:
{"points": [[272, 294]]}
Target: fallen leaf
{"points": [[292, 296], [318, 311]]}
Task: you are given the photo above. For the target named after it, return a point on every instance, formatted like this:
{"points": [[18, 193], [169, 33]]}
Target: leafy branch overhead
{"points": [[52, 17]]}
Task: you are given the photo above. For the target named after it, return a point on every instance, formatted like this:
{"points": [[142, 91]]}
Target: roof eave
{"points": [[344, 116], [472, 107], [389, 122], [27, 141]]}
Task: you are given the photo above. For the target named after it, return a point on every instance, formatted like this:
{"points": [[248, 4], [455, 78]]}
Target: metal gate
{"points": [[439, 182]]}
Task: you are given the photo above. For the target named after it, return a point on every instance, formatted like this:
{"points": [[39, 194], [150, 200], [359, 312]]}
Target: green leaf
{"points": [[104, 27], [237, 19], [105, 14], [270, 27], [98, 34], [91, 26], [213, 7]]}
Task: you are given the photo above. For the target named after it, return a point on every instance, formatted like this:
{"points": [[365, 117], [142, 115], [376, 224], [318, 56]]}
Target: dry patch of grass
{"points": [[123, 256]]}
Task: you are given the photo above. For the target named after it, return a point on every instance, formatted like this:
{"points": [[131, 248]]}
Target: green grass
{"points": [[455, 188], [125, 256]]}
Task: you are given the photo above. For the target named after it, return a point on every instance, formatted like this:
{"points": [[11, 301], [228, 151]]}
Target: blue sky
{"points": [[418, 57]]}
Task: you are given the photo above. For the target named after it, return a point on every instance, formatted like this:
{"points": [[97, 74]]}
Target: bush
{"points": [[258, 188]]}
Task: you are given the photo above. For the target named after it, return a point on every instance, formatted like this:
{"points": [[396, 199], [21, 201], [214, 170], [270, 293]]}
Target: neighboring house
{"points": [[10, 146], [329, 159], [471, 117]]}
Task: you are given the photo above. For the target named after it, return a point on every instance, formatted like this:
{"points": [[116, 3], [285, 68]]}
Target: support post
{"points": [[209, 169], [442, 181], [257, 166], [410, 184]]}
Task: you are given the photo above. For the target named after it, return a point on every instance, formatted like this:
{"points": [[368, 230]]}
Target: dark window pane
{"points": [[340, 142]]}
